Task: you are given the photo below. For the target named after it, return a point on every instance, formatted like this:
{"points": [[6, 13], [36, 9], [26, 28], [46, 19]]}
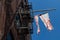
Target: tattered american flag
{"points": [[45, 19]]}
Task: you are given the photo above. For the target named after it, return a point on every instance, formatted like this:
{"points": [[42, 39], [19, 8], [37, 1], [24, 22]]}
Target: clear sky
{"points": [[54, 18]]}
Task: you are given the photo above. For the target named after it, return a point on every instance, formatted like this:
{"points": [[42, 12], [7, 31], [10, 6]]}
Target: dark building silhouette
{"points": [[15, 19]]}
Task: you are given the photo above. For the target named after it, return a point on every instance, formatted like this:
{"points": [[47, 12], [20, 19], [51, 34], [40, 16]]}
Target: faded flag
{"points": [[37, 23], [46, 21]]}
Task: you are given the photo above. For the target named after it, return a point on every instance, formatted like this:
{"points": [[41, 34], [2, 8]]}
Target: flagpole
{"points": [[45, 10]]}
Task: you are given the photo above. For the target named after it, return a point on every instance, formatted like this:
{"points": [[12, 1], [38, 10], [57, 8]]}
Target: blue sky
{"points": [[54, 18]]}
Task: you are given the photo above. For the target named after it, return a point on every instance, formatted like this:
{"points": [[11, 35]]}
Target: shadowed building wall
{"points": [[8, 8]]}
